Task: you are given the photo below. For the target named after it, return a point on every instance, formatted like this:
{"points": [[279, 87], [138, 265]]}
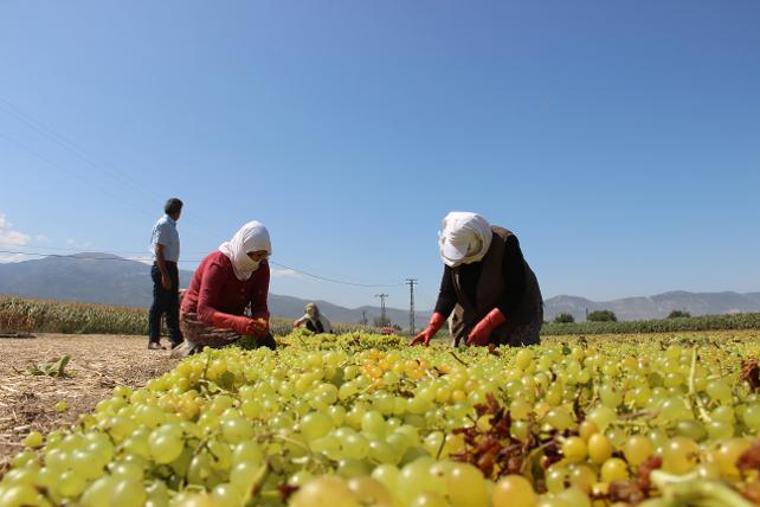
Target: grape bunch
{"points": [[362, 420]]}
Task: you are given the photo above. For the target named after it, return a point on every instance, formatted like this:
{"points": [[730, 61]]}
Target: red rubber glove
{"points": [[240, 324], [483, 329], [436, 321]]}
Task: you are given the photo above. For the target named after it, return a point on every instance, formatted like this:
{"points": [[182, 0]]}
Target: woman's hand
{"points": [[258, 326], [436, 321], [483, 329]]}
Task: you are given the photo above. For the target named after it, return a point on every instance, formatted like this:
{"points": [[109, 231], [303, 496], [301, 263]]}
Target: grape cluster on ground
{"points": [[363, 420]]}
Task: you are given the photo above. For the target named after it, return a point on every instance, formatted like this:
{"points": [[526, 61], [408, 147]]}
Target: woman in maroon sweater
{"points": [[225, 283]]}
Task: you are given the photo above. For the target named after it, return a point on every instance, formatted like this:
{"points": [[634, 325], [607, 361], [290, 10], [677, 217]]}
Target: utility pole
{"points": [[411, 282], [382, 308]]}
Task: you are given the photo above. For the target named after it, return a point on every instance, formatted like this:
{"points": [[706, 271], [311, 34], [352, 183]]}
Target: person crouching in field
{"points": [[314, 321], [227, 281], [488, 285]]}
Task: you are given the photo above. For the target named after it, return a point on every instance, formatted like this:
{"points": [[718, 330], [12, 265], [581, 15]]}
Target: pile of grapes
{"points": [[361, 420]]}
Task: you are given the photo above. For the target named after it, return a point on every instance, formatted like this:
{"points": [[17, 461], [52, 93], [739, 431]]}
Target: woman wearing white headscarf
{"points": [[225, 283], [488, 285], [314, 320]]}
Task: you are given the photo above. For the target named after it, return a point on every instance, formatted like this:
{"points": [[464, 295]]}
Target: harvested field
{"points": [[98, 363]]}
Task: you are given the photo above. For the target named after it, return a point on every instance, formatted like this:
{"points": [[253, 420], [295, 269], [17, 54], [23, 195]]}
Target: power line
{"points": [[70, 145], [333, 280], [58, 167], [113, 257]]}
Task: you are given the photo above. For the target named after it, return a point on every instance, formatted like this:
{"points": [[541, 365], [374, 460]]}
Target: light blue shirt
{"points": [[165, 233]]}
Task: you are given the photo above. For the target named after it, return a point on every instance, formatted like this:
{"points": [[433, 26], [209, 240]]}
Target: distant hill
{"points": [[107, 279], [659, 306]]}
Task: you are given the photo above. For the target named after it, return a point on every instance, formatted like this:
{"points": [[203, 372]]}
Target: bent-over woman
{"points": [[314, 320], [488, 285]]}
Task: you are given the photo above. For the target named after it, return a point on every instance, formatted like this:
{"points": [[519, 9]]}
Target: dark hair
{"points": [[173, 206]]}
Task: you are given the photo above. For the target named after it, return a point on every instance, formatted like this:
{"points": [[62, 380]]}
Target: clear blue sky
{"points": [[619, 140]]}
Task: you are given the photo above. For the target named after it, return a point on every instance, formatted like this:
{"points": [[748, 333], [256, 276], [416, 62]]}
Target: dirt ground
{"points": [[98, 363]]}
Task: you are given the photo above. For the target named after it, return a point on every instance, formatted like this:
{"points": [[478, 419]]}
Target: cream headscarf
{"points": [[465, 238], [252, 237]]}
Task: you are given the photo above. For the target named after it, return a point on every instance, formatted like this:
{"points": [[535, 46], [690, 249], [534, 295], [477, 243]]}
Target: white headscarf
{"points": [[252, 237], [465, 238]]}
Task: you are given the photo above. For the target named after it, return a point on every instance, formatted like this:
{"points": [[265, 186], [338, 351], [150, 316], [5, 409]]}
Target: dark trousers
{"points": [[165, 302]]}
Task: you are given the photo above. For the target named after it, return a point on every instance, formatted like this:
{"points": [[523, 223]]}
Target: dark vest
{"points": [[490, 293]]}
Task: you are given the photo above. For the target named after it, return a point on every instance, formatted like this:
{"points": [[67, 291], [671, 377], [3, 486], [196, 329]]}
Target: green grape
{"points": [[415, 479], [637, 449], [751, 416], [658, 437], [315, 425], [520, 409], [720, 430], [719, 391], [248, 451], [602, 417], [381, 452], [723, 413], [559, 419], [70, 484], [354, 446], [236, 430], [158, 495], [728, 455], [429, 499], [128, 493], [200, 471], [599, 448], [85, 464], [680, 455], [21, 495], [125, 470], [574, 449], [582, 477], [33, 439], [609, 396], [691, 429], [324, 490], [244, 474], [165, 447], [100, 492], [373, 422], [350, 468], [614, 469], [574, 497], [369, 491], [221, 455], [227, 494], [466, 486], [387, 475], [556, 477], [514, 490]]}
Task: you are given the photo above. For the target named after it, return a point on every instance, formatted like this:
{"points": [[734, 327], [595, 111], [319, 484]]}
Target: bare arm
{"points": [[161, 261]]}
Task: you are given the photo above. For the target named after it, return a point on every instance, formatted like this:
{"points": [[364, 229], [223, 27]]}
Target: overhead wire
{"points": [[113, 257], [70, 145]]}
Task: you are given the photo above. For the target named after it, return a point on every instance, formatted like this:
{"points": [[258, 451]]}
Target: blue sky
{"points": [[619, 140]]}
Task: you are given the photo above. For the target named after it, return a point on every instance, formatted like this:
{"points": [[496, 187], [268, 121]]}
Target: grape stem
{"points": [[458, 358], [693, 391], [440, 447]]}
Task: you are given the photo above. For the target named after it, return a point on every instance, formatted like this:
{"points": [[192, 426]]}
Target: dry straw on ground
{"points": [[98, 364]]}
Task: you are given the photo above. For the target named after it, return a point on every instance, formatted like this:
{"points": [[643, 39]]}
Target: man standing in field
{"points": [[165, 243]]}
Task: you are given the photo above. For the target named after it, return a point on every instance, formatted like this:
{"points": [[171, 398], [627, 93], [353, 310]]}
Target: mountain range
{"points": [[108, 279]]}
